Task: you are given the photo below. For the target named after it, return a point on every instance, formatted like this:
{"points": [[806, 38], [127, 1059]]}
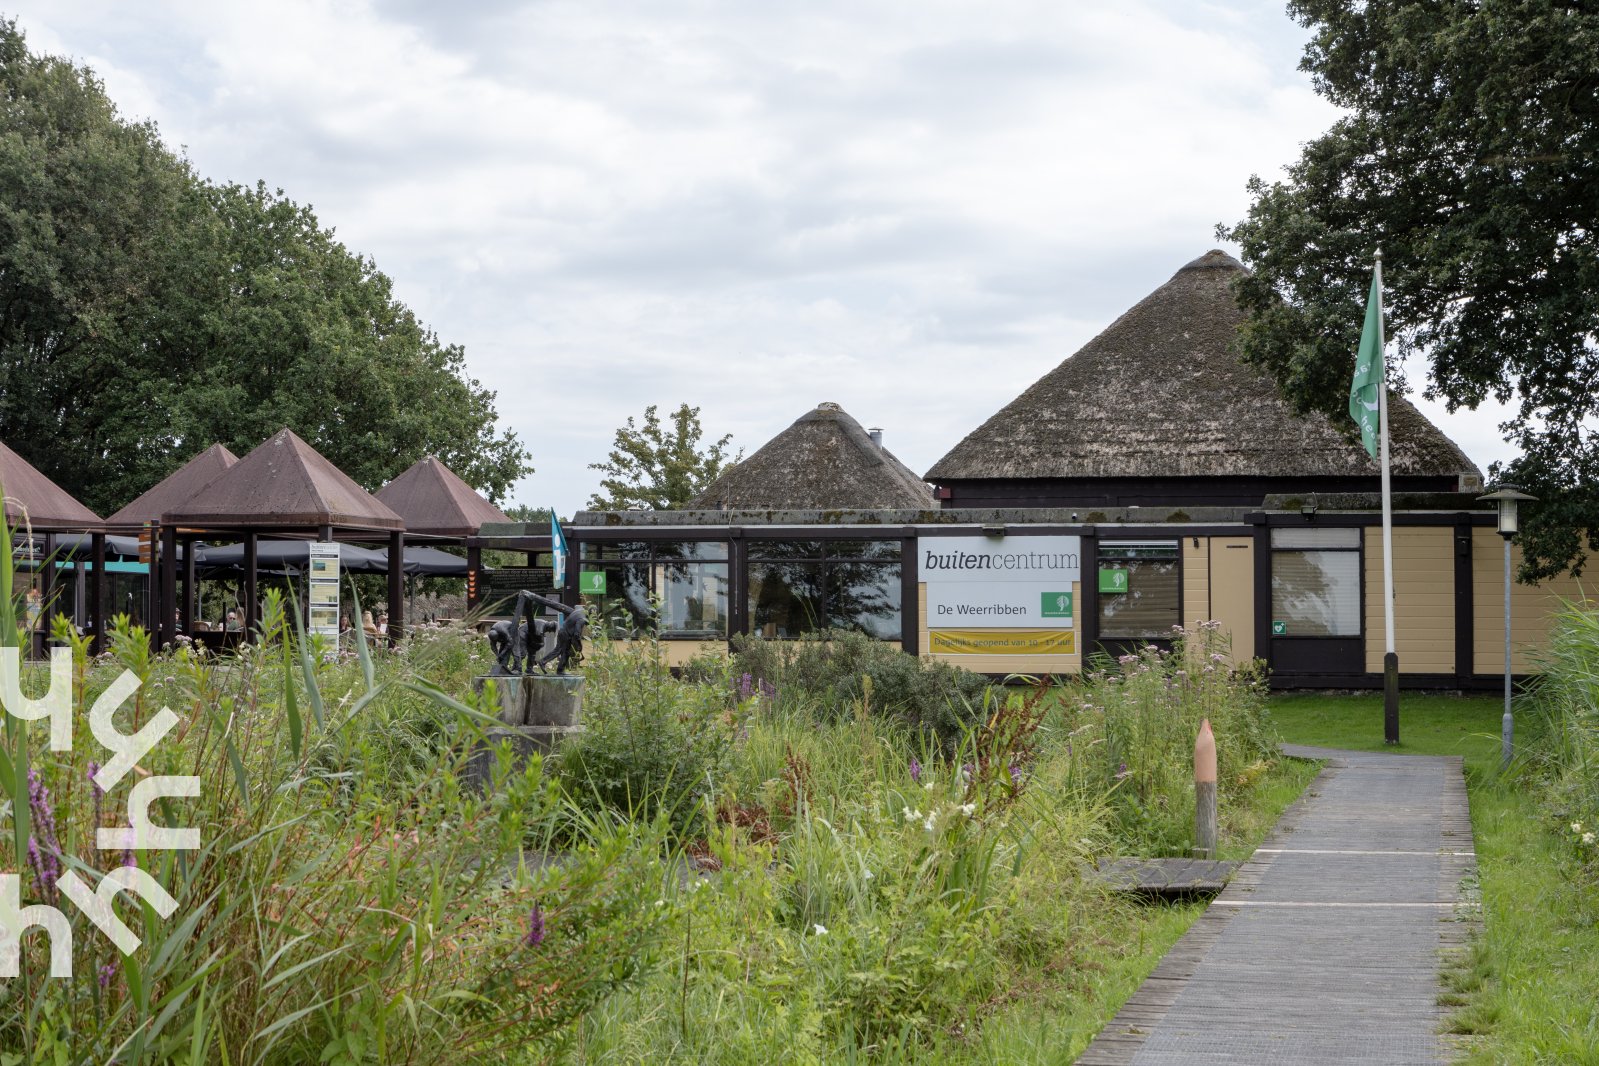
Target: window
{"points": [[801, 586], [1315, 582], [687, 580], [1151, 603]]}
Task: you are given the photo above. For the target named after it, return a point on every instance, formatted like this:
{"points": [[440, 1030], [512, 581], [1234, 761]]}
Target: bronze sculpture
{"points": [[509, 639]]}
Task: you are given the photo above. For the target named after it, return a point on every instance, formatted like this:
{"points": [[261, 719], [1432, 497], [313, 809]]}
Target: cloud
{"points": [[913, 209]]}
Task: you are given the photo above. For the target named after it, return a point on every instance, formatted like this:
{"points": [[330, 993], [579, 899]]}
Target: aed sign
{"points": [[999, 582]]}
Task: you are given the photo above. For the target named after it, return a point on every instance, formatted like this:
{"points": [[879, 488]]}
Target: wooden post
{"points": [[1205, 792]]}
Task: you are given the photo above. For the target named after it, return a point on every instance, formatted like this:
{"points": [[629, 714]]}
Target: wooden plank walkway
{"points": [[1326, 945]]}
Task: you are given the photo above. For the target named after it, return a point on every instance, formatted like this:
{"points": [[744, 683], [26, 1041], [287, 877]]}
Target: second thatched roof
{"points": [[824, 460], [1162, 393]]}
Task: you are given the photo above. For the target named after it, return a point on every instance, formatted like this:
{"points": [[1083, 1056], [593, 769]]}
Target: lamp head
{"points": [[1506, 498]]}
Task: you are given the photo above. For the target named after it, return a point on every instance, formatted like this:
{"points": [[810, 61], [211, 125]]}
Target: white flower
{"points": [[928, 786], [868, 874], [911, 816], [819, 929], [1576, 827], [968, 809], [1587, 838], [928, 825]]}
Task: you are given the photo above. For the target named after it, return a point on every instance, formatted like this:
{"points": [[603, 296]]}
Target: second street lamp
{"points": [[1507, 498]]}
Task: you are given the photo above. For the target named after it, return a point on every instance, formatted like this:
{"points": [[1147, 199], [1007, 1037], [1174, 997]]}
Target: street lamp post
{"points": [[1506, 499]]}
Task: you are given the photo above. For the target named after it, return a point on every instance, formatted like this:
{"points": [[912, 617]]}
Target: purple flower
{"points": [[746, 686], [1015, 775], [44, 846], [916, 770], [108, 971], [535, 927], [1124, 773]]}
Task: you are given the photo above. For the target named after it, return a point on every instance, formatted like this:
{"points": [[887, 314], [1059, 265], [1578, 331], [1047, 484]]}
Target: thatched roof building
{"points": [[174, 490], [824, 460], [1160, 408], [433, 500]]}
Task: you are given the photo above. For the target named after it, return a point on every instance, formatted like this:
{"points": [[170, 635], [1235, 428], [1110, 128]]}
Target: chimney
{"points": [[876, 433]]}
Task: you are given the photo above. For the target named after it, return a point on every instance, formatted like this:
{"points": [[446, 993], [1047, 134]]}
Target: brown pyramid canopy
{"points": [[34, 499], [824, 460], [1162, 393], [176, 489], [433, 500], [283, 483]]}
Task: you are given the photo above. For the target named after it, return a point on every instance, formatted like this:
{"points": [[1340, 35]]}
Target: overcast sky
{"points": [[914, 209]]}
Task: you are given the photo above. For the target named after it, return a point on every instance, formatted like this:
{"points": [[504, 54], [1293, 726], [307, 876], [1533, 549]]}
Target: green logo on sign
{"points": [[1112, 580], [1279, 629], [1056, 605], [591, 582]]}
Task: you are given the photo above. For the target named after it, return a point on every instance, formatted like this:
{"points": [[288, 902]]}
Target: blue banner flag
{"points": [[558, 550]]}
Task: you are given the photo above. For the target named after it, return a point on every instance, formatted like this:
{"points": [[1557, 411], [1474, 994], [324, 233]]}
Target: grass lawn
{"points": [[1529, 991]]}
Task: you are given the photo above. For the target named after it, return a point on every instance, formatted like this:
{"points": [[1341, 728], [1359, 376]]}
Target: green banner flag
{"points": [[1363, 396]]}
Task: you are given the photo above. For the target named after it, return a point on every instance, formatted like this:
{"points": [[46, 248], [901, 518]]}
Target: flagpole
{"points": [[1390, 661]]}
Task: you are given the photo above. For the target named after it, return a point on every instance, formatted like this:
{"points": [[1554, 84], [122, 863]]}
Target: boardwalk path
{"points": [[1325, 947]]}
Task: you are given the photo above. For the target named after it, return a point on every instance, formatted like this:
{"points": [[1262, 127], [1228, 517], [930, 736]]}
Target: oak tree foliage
{"points": [[146, 313], [1469, 152], [658, 467]]}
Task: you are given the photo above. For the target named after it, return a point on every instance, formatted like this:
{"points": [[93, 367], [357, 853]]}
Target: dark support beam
{"points": [[166, 624], [1465, 605], [47, 592], [97, 593], [474, 572], [189, 589], [1088, 569], [252, 604], [1263, 638], [396, 587], [910, 628]]}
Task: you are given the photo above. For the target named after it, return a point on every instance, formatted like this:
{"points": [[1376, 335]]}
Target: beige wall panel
{"points": [[1531, 607], [1424, 599], [1035, 665], [1232, 591], [1196, 580]]}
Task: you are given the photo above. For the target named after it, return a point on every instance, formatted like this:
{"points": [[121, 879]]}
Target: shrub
{"points": [[828, 675], [650, 742]]}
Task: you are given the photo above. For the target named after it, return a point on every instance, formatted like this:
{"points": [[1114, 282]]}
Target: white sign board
{"points": [[322, 588], [999, 582]]}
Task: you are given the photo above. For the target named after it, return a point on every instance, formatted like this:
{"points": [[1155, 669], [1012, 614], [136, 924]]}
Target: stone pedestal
{"points": [[539, 711]]}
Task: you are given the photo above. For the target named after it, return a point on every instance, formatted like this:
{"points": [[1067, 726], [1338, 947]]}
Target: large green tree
{"points": [[656, 467], [1469, 152], [145, 313]]}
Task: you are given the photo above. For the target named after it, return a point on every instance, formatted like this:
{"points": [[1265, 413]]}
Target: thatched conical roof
{"points": [[824, 460], [176, 489], [283, 483], [31, 496], [433, 500], [1162, 393]]}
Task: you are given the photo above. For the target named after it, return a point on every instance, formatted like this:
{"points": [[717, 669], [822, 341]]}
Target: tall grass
{"points": [[1565, 746], [349, 901]]}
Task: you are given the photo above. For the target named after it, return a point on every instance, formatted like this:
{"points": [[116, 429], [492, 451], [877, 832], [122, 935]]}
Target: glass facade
{"points": [[678, 588], [1315, 582], [1152, 601], [801, 586]]}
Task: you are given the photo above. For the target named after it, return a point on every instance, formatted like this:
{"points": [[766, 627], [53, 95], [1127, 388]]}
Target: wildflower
{"points": [[912, 816], [535, 927], [968, 809], [107, 972], [1015, 775], [1127, 660], [1217, 657], [866, 875], [916, 769], [1576, 827], [931, 822], [819, 929], [1587, 838], [966, 773], [1123, 773]]}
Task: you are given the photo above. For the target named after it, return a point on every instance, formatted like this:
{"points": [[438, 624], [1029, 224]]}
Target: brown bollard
{"points": [[1205, 792]]}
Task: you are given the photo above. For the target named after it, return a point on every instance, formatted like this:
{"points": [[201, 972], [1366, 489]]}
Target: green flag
{"points": [[1363, 396]]}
